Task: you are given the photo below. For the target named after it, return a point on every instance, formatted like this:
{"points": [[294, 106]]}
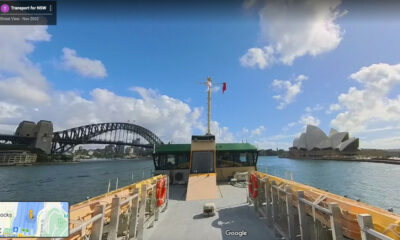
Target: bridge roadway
{"points": [[184, 220]]}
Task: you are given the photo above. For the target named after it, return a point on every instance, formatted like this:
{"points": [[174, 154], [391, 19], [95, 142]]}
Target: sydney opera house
{"points": [[315, 142]]}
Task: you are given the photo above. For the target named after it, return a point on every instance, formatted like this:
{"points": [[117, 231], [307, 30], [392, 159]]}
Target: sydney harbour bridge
{"points": [[41, 136]]}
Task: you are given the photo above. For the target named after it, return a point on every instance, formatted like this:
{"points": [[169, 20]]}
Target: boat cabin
{"points": [[204, 156]]}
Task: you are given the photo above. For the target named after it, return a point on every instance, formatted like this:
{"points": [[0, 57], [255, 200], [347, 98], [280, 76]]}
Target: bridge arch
{"points": [[69, 138]]}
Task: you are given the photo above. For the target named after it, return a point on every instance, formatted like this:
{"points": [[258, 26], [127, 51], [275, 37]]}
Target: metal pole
{"points": [[116, 184], [109, 185], [209, 105]]}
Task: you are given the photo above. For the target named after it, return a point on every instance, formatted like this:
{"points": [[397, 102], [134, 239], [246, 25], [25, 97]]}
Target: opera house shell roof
{"points": [[315, 139]]}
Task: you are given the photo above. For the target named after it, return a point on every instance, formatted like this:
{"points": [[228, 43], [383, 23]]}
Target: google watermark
{"points": [[235, 233]]}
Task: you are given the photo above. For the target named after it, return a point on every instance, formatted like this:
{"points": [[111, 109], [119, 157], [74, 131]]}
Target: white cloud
{"points": [[308, 119], [19, 90], [245, 130], [169, 118], [258, 138], [258, 57], [20, 79], [215, 89], [84, 66], [290, 90], [7, 128], [317, 107], [381, 143], [305, 119], [289, 126], [222, 134], [297, 28], [8, 110], [333, 108], [25, 95], [258, 131], [370, 106]]}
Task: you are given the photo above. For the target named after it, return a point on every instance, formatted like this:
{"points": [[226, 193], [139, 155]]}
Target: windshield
{"points": [[202, 162]]}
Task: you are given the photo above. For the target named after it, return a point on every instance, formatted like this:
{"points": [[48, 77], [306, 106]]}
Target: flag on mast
{"points": [[223, 87]]}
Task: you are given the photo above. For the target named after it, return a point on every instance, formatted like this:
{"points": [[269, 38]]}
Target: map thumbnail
{"points": [[34, 219]]}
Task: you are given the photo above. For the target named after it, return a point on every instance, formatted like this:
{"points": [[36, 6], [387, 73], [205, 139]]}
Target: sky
{"points": [[286, 64]]}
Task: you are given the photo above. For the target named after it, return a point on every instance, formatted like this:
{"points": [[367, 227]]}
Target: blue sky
{"points": [[153, 62]]}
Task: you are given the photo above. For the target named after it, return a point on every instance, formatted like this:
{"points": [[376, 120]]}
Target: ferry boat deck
{"points": [[184, 219]]}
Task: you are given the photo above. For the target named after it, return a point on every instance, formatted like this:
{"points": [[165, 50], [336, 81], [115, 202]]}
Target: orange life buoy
{"points": [[161, 191], [253, 185]]}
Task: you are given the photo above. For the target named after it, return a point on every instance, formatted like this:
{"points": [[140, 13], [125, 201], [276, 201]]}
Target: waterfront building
{"points": [[129, 150], [16, 157], [314, 142]]}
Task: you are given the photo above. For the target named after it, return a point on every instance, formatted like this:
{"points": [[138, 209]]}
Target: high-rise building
{"points": [[120, 149], [109, 148]]}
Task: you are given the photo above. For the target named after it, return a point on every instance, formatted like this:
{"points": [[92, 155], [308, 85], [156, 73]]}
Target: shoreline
{"points": [[76, 161], [375, 160]]}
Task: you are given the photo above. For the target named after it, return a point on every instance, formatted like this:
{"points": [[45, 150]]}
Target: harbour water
{"points": [[70, 182], [373, 183]]}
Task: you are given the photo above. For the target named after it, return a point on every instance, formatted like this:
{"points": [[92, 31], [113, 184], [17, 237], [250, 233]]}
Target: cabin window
{"points": [[160, 162], [236, 159], [172, 161], [202, 162], [224, 159], [182, 161], [243, 157]]}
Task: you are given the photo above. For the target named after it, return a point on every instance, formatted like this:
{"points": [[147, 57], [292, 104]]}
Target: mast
{"points": [[209, 84]]}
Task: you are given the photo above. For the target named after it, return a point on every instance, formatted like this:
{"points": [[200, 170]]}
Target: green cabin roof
{"points": [[235, 147], [177, 148], [172, 148]]}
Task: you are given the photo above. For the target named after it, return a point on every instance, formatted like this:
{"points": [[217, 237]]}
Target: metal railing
{"points": [[292, 216], [127, 216]]}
